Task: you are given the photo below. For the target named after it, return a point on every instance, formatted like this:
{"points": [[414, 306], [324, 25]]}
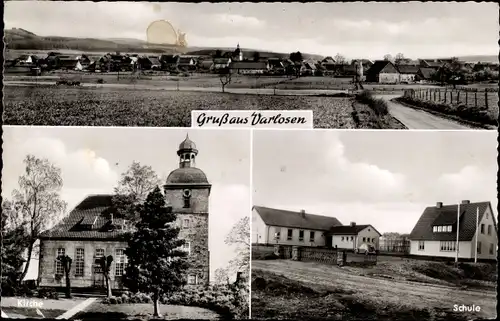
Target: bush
{"points": [[48, 293], [379, 106], [128, 297]]}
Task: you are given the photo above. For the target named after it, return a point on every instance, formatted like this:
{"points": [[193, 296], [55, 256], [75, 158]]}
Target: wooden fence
{"points": [[471, 97]]}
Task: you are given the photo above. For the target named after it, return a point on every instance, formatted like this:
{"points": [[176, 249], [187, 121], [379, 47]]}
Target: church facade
{"points": [[90, 231]]}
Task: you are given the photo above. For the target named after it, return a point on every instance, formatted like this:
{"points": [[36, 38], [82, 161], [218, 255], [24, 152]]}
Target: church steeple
{"points": [[187, 153]]}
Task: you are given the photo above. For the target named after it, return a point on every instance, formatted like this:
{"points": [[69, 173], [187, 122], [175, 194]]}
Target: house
{"points": [[435, 233], [308, 68], [249, 67], [275, 226], [29, 60], [328, 60], [149, 63], [425, 74], [187, 63], [65, 62], [352, 236], [407, 73], [384, 72], [205, 64], [365, 62], [427, 63], [169, 62], [93, 229], [221, 63], [276, 65]]}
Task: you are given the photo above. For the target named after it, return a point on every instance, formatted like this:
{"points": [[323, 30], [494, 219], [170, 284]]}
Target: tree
{"points": [[296, 56], [133, 187], [221, 276], [256, 56], [156, 264], [399, 58], [388, 57], [105, 264], [239, 237], [217, 53], [339, 59], [225, 78], [66, 264], [37, 203]]}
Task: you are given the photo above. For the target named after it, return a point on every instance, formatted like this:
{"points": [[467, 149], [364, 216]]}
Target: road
{"points": [[418, 119], [386, 290]]}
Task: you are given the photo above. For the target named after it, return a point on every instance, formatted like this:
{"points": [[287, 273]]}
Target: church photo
{"points": [[203, 177]]}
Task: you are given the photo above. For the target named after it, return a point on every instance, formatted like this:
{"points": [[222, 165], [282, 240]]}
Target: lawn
{"points": [[87, 106], [301, 290], [142, 311]]}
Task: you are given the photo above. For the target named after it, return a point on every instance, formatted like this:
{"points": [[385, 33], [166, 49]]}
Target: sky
{"points": [[92, 160], [355, 30], [382, 178]]}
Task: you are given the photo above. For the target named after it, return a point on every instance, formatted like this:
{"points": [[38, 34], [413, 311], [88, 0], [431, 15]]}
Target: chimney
{"points": [[353, 224], [303, 213], [439, 204], [465, 202]]}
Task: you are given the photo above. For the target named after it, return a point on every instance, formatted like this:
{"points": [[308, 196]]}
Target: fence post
{"points": [[445, 95], [458, 97], [439, 95], [475, 98], [434, 90], [486, 99], [466, 97]]}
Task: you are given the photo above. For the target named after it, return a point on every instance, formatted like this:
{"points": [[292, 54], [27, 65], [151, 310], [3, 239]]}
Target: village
{"points": [[389, 70]]}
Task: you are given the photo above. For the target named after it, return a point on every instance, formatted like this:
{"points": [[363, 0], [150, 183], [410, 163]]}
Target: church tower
{"points": [[187, 190], [238, 54]]}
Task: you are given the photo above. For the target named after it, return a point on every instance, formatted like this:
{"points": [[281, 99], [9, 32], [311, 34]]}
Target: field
{"points": [[86, 106], [301, 290]]}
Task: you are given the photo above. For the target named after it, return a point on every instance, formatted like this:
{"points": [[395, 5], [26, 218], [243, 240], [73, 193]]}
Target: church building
{"points": [[90, 231]]}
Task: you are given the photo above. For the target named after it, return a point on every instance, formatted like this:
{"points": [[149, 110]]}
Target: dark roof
{"points": [[79, 224], [407, 69], [276, 217], [249, 65], [221, 60], [447, 215], [187, 175], [349, 230], [427, 72], [377, 67], [187, 144]]}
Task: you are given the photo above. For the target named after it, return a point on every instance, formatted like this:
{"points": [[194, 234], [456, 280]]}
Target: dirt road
{"points": [[418, 119], [380, 289]]}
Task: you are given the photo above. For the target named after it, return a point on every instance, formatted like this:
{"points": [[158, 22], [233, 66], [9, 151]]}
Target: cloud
{"points": [[236, 20]]}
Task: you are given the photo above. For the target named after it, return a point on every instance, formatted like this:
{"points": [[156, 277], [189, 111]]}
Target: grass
{"points": [[277, 297], [86, 106], [371, 113], [31, 312], [142, 311]]}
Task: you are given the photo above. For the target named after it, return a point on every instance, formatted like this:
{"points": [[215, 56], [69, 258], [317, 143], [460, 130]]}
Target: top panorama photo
{"points": [[420, 65]]}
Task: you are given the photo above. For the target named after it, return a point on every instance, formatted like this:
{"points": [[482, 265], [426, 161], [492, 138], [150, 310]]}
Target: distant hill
{"points": [[479, 58], [247, 52]]}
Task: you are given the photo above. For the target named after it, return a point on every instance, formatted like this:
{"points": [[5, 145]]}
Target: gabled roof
{"points": [[249, 65], [377, 67], [222, 60], [407, 69], [349, 230], [427, 72], [447, 215], [276, 217], [91, 219]]}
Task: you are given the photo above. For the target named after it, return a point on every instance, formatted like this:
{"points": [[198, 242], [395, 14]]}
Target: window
{"points": [[311, 236], [187, 247], [342, 239], [352, 238], [277, 235], [489, 229], [373, 240], [191, 279], [79, 261], [448, 246], [289, 235], [364, 239], [421, 245], [449, 229], [478, 247], [120, 262], [487, 215], [99, 253], [440, 229], [59, 267], [482, 228], [434, 229], [491, 248], [301, 235], [187, 202], [185, 223]]}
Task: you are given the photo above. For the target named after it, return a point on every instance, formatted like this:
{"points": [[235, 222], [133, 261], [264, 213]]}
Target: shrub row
{"points": [[481, 116], [379, 106], [128, 297]]}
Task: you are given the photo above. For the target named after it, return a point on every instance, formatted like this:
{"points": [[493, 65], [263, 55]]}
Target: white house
{"points": [[407, 73], [352, 236], [435, 233], [274, 226]]}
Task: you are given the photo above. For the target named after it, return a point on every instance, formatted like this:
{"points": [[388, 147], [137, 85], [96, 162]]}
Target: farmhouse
{"points": [[407, 73], [275, 226], [249, 67], [221, 63], [425, 74], [169, 61], [66, 62], [93, 229], [384, 72], [187, 63], [435, 233], [352, 236]]}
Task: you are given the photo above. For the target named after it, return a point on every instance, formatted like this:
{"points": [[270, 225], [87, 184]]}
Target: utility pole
{"points": [[477, 232], [458, 228]]}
